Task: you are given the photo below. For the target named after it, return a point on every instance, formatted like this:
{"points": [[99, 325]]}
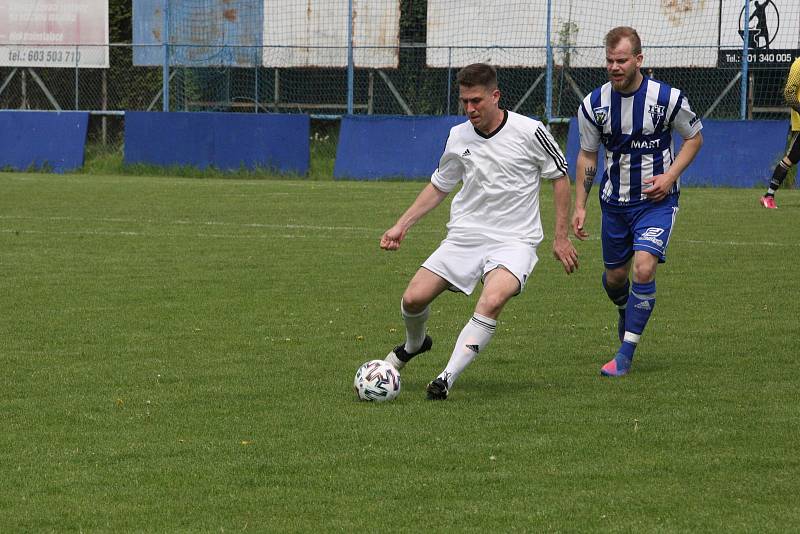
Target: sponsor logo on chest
{"points": [[646, 143]]}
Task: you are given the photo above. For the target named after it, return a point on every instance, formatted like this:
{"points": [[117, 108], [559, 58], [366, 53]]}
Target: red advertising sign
{"points": [[54, 33]]}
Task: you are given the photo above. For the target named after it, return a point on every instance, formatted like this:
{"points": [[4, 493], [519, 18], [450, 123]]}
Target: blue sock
{"points": [[641, 303], [618, 295]]}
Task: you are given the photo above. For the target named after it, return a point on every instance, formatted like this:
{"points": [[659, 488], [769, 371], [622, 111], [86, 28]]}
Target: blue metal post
{"points": [[548, 99], [165, 67], [745, 61], [349, 57]]}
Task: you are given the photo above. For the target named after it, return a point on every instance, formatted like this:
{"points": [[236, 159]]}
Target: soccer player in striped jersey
{"points": [[633, 117], [791, 94], [501, 159]]}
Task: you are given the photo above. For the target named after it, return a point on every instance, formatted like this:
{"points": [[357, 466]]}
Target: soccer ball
{"points": [[377, 380]]}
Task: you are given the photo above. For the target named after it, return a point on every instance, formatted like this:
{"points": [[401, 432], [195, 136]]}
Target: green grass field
{"points": [[178, 355]]}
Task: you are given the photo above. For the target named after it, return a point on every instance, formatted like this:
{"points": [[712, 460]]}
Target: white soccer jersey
{"points": [[636, 130], [501, 175]]}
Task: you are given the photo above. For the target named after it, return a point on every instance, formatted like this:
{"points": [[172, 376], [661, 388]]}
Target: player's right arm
{"points": [[428, 198], [586, 170], [443, 180], [790, 92]]}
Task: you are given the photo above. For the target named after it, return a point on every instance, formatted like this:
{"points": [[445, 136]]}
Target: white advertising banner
{"points": [[504, 33], [313, 33], [54, 33], [675, 33]]}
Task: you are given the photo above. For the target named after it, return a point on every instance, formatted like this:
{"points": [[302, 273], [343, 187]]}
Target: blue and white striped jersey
{"points": [[636, 131]]}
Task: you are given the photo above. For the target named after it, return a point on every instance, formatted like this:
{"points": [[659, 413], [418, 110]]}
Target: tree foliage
{"points": [[120, 15]]}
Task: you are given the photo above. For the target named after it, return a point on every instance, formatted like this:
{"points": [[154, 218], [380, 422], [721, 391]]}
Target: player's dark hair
{"points": [[624, 32], [478, 74]]}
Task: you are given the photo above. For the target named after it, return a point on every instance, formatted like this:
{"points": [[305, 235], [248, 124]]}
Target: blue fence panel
{"points": [[43, 139], [375, 147], [737, 153], [734, 153], [226, 141]]}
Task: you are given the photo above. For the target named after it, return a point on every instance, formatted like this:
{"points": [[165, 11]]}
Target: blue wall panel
{"points": [[43, 139], [734, 153], [375, 147], [737, 153], [227, 141]]}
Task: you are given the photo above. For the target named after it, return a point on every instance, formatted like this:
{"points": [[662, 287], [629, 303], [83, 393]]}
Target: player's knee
{"points": [[414, 302], [616, 277], [644, 273], [491, 305]]}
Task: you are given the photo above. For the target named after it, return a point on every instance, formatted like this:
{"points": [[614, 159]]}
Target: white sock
{"points": [[473, 339], [415, 327], [415, 334]]}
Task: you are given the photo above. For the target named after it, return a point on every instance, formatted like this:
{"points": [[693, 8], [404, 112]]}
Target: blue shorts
{"points": [[646, 226]]}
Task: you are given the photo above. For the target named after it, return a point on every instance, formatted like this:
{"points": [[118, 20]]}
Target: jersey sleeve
{"points": [[587, 130], [685, 121], [791, 93], [450, 171], [551, 160]]}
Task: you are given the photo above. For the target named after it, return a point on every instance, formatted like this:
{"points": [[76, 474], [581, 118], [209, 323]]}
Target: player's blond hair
{"points": [[614, 36]]}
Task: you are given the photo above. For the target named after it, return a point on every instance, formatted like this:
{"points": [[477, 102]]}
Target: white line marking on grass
{"points": [[201, 223], [152, 234], [279, 226], [307, 227], [725, 243], [740, 243]]}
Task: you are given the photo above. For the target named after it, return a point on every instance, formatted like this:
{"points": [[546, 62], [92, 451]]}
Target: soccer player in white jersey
{"points": [[501, 159], [633, 117]]}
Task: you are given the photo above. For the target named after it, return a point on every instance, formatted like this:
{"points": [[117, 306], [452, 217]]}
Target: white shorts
{"points": [[464, 265]]}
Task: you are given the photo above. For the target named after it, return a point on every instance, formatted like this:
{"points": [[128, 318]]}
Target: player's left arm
{"points": [[687, 124], [662, 183], [563, 250], [553, 166]]}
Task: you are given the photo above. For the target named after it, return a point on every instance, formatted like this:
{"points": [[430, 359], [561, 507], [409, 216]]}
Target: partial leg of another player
{"points": [[618, 287], [424, 287], [780, 172], [499, 286]]}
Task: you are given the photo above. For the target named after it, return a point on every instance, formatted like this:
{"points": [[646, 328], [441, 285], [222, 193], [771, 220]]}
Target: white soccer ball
{"points": [[377, 380]]}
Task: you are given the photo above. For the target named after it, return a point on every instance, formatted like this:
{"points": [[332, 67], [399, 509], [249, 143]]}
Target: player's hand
{"points": [[391, 238], [566, 254], [578, 219], [657, 188]]}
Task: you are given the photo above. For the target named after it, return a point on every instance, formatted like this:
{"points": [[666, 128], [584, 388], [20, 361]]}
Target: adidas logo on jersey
{"points": [[466, 153]]}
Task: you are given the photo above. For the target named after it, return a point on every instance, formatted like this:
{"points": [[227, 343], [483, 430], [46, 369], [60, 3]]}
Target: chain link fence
{"points": [[413, 87]]}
